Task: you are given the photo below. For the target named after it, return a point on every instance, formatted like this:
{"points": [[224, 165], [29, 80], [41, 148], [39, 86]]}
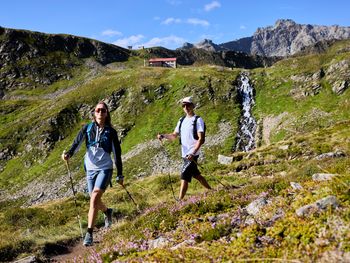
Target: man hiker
{"points": [[191, 130], [101, 140]]}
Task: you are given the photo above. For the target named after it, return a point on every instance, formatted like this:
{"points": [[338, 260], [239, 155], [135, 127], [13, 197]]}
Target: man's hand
{"points": [[65, 156], [160, 137], [190, 157]]}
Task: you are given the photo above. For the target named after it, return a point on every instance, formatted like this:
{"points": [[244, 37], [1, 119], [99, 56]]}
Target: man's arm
{"points": [[197, 146], [167, 136]]}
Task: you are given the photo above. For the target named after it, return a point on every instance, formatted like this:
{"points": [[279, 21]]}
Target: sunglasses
{"points": [[186, 105], [102, 110]]}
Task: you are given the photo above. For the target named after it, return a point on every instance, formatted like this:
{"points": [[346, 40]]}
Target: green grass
{"points": [[313, 125]]}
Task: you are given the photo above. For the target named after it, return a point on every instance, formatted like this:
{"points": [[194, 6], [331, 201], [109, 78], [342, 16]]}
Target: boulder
{"points": [[318, 206], [322, 177], [254, 207], [226, 160], [339, 87]]}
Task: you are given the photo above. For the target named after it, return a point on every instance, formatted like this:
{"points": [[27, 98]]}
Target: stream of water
{"points": [[247, 124]]}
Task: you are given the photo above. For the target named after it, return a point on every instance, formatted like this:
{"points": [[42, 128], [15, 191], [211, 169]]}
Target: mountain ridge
{"points": [[284, 38], [31, 59]]}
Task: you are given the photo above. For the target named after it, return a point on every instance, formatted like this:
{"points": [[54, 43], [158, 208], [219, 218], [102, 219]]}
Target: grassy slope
{"points": [[273, 86], [180, 222], [160, 115]]}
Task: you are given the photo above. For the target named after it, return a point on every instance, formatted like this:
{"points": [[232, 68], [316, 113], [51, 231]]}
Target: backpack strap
{"points": [[91, 141], [181, 121], [195, 135]]}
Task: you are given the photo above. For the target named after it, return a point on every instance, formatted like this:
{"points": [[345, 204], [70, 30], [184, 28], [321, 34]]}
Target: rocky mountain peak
{"points": [[284, 23], [287, 37], [208, 45], [284, 38], [187, 45], [205, 42]]}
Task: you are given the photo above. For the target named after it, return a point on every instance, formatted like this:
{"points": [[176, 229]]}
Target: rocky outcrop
{"points": [[338, 75], [30, 59], [28, 44]]}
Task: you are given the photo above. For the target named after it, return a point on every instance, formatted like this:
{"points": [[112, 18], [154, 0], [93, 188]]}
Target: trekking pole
{"points": [[171, 183], [132, 199], [75, 199]]}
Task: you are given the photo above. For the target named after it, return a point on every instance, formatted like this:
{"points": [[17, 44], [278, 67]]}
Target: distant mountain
{"points": [[283, 39], [31, 59], [208, 45]]}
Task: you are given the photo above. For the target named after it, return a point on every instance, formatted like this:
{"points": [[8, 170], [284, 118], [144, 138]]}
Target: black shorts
{"points": [[189, 169]]}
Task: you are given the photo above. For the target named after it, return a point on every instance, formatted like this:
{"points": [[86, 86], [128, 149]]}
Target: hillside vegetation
{"points": [[302, 108]]}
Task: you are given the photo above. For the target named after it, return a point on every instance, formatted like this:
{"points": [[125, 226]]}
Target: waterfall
{"points": [[245, 137]]}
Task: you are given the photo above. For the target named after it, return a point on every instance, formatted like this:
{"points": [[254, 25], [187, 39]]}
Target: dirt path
{"points": [[75, 250]]}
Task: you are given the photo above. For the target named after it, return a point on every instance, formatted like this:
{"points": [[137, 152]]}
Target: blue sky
{"points": [[167, 23]]}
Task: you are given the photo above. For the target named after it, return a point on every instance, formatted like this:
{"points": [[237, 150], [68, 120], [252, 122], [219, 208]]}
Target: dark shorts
{"points": [[189, 169], [98, 179]]}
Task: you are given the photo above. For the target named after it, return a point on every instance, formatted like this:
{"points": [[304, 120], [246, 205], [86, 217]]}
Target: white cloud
{"points": [[212, 5], [129, 41], [171, 20], [196, 21], [242, 27], [111, 33], [168, 42]]}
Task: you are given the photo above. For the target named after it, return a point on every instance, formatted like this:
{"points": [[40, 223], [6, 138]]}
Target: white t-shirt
{"points": [[188, 143]]}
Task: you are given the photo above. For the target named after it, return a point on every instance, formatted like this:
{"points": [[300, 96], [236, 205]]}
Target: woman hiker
{"points": [[191, 130], [101, 140]]}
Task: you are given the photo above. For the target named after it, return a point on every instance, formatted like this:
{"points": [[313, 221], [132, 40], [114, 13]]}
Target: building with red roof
{"points": [[162, 62]]}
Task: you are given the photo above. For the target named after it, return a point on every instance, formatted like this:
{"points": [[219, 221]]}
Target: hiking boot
{"points": [[108, 217], [88, 240]]}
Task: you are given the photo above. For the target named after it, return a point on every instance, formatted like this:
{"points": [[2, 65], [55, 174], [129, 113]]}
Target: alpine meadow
{"points": [[285, 199]]}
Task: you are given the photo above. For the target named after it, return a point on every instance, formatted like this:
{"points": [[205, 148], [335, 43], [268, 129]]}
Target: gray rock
{"points": [[306, 210], [113, 101], [29, 259], [212, 219], [254, 207], [335, 154], [326, 202], [296, 186], [249, 221], [283, 147], [318, 206], [226, 160], [334, 256], [339, 87], [160, 242], [322, 177]]}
